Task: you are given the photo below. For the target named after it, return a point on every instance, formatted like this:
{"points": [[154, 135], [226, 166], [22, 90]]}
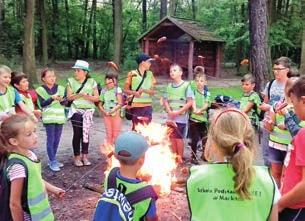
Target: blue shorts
{"points": [[178, 132], [276, 156]]}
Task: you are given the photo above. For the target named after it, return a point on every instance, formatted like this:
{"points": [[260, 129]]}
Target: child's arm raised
{"points": [[15, 199], [55, 190], [274, 216]]}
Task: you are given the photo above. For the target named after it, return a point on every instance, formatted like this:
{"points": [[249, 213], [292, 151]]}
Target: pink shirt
{"points": [[296, 161]]}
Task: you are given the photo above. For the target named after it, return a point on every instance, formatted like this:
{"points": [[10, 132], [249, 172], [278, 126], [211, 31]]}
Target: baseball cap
{"points": [[130, 146], [143, 57], [80, 64]]}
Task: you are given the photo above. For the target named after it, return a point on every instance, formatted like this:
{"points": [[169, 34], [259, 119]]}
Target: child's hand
{"points": [[60, 193], [56, 97], [157, 189], [265, 107], [138, 93], [173, 114]]}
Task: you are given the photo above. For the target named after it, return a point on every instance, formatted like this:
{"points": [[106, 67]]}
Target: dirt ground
{"points": [[79, 202]]}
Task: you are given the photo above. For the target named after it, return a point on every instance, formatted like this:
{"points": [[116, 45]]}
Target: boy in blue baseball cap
{"points": [[130, 148]]}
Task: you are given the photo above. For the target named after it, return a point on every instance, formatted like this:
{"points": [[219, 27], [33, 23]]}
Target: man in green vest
{"points": [[139, 86]]}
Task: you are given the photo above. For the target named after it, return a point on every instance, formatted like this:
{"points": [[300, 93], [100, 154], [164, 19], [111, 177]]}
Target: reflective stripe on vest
{"points": [[54, 113], [82, 103], [7, 101], [140, 208], [109, 99], [278, 135], [37, 198], [211, 194], [176, 96], [147, 84], [302, 123], [27, 101], [200, 100]]}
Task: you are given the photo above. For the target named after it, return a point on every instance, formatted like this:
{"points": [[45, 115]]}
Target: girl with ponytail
{"points": [[230, 187]]}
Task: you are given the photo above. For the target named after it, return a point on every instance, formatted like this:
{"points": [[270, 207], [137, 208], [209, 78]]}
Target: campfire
{"points": [[160, 163]]}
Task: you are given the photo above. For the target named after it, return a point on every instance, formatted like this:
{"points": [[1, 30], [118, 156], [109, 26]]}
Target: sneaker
{"points": [[78, 163], [59, 164], [53, 166], [86, 162]]}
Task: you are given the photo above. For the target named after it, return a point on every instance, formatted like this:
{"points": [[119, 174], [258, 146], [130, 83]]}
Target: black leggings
{"points": [[292, 214], [77, 124], [197, 131]]}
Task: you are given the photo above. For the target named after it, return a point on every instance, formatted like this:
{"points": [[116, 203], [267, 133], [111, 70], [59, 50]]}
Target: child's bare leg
{"points": [[180, 148]]}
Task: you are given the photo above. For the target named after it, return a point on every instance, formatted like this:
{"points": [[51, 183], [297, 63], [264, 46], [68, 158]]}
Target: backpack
{"points": [[261, 114], [5, 188], [114, 205]]}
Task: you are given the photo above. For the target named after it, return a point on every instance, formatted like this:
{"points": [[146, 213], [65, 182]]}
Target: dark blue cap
{"points": [[143, 57]]}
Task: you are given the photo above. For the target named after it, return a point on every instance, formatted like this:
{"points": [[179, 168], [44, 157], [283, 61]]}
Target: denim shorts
{"points": [[178, 132], [276, 156]]}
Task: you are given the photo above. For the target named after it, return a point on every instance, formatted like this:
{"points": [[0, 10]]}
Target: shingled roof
{"points": [[190, 27]]}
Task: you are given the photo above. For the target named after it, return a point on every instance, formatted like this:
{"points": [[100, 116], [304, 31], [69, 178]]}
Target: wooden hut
{"points": [[187, 43]]}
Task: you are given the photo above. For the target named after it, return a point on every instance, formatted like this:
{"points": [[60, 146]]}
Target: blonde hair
{"points": [[5, 69], [234, 136]]}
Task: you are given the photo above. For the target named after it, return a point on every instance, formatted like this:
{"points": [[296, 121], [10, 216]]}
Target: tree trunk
{"points": [[87, 42], [29, 66], [117, 30], [193, 9], [279, 8], [44, 34], [68, 29], [173, 7], [83, 31], [163, 9], [94, 42], [258, 42], [144, 15], [302, 66], [54, 22], [2, 13]]}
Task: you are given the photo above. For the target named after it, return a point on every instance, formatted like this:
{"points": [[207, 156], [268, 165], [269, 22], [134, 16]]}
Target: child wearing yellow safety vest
{"points": [[130, 149], [250, 101], [20, 81], [50, 95], [28, 191], [198, 122], [110, 106], [292, 203], [9, 96], [178, 98], [230, 188]]}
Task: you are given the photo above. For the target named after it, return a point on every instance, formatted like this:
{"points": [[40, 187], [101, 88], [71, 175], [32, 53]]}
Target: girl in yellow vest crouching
{"points": [[231, 188], [28, 191]]}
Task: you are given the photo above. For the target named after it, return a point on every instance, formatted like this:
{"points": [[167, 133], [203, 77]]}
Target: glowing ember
{"points": [[159, 160]]}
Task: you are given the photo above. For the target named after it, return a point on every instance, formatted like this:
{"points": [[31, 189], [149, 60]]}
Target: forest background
{"points": [[41, 32]]}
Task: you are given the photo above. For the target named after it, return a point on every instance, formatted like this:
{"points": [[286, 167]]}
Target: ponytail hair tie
{"points": [[237, 147]]}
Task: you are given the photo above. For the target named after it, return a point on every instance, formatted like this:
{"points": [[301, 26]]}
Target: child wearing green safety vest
{"points": [[292, 203], [130, 149], [230, 188], [9, 96], [198, 122], [28, 191], [20, 81], [250, 101], [178, 99], [110, 105], [50, 95]]}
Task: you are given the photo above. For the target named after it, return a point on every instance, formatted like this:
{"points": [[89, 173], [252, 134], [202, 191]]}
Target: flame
{"points": [[160, 162]]}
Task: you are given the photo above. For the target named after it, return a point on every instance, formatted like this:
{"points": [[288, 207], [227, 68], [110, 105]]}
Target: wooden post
{"points": [[146, 46], [190, 60], [218, 61]]}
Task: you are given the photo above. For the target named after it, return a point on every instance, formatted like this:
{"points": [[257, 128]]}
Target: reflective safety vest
{"points": [[200, 99], [82, 103], [28, 101], [211, 194], [147, 84], [54, 113], [302, 123], [140, 208], [255, 111], [278, 135], [109, 99], [7, 101], [37, 198], [176, 96]]}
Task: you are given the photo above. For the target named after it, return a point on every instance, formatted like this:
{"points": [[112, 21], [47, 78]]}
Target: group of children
{"points": [[230, 146]]}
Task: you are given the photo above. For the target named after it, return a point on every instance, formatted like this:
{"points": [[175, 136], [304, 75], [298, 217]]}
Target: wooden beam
{"points": [[146, 47], [190, 60], [218, 60]]}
